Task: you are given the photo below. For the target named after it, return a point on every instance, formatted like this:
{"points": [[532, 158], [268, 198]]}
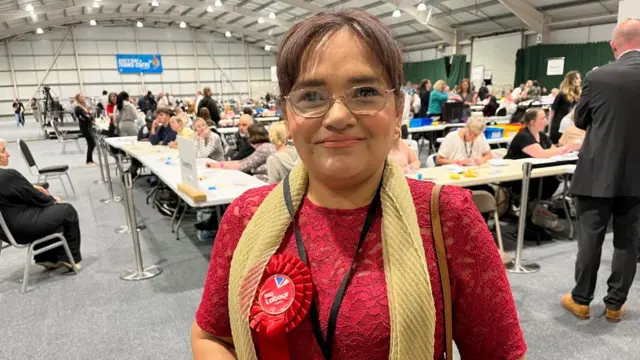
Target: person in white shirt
{"points": [[515, 94], [466, 146]]}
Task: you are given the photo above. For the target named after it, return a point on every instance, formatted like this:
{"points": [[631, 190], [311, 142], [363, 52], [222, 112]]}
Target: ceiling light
{"points": [[155, 3], [39, 31], [96, 4], [139, 24], [227, 34], [93, 23], [260, 20], [396, 13], [267, 48], [272, 15], [218, 3], [29, 8], [422, 7], [183, 24], [209, 9]]}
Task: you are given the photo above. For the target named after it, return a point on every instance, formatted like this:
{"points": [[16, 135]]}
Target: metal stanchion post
{"points": [[112, 197], [125, 229], [517, 265], [99, 143], [140, 273]]}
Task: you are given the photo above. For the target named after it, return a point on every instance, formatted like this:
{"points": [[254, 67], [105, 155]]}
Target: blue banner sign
{"points": [[139, 64]]}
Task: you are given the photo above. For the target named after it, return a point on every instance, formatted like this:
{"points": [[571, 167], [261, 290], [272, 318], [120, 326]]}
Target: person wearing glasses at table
{"points": [[466, 146], [345, 215]]}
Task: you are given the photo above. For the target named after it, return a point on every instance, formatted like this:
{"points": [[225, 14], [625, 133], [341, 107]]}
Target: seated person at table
{"points": [[402, 155], [32, 213], [466, 146], [177, 124], [161, 131], [280, 164], [533, 142], [256, 163], [241, 147], [208, 144], [438, 97]]}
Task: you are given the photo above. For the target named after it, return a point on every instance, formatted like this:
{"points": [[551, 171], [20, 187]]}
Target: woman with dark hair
{"points": [[210, 104], [256, 163], [294, 261], [570, 91], [424, 91], [206, 115], [468, 97], [125, 116], [85, 122]]}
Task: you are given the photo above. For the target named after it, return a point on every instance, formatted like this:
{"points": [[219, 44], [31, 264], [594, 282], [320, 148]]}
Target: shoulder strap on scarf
{"points": [[441, 255]]}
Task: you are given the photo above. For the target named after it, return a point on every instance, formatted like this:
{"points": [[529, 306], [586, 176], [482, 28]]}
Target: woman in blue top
{"points": [[438, 97]]}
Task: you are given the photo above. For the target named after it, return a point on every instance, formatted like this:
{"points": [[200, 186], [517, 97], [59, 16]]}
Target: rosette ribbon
{"points": [[281, 303]]}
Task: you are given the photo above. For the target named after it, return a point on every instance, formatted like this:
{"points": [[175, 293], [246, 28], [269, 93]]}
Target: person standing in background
{"points": [[569, 95], [85, 121], [199, 98], [18, 106], [208, 102], [605, 180], [424, 91]]}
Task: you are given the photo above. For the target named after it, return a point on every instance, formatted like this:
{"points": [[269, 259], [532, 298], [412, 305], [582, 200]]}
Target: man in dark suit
{"points": [[606, 182], [32, 213]]}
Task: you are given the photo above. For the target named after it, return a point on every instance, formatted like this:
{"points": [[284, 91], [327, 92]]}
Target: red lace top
{"points": [[485, 322]]}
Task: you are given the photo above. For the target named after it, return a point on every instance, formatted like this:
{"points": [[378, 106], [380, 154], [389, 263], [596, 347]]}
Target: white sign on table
{"points": [[555, 66], [188, 166]]}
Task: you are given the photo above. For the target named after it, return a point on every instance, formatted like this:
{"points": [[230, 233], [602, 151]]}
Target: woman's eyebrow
{"points": [[363, 80]]}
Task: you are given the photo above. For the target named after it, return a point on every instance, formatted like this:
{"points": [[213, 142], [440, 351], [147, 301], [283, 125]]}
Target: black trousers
{"points": [[28, 225], [593, 216], [85, 130]]}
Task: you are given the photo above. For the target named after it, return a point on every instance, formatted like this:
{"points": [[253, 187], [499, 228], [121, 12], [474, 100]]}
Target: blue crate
{"points": [[417, 122], [493, 133]]}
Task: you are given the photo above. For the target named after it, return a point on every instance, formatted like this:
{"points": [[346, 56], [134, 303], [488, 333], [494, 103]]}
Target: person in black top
{"points": [[85, 121], [32, 213], [532, 142], [242, 147], [19, 109], [424, 91], [210, 104], [569, 95]]}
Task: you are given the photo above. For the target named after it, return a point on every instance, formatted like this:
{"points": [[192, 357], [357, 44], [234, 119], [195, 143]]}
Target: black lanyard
{"points": [[326, 344]]}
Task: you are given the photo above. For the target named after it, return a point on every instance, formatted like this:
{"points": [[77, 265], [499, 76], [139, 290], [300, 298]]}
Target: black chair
{"points": [[64, 137], [55, 171]]}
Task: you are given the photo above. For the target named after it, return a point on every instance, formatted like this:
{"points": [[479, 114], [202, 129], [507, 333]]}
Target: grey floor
{"points": [[95, 315]]}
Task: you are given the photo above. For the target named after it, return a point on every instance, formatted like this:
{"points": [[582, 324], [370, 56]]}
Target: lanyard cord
{"points": [[326, 344]]}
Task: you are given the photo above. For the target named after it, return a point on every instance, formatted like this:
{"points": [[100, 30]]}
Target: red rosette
{"points": [[281, 302]]}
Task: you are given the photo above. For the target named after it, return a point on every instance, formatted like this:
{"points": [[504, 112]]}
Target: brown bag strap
{"points": [[441, 255]]}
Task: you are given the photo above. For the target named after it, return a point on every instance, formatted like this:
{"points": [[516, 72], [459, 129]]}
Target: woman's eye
{"points": [[312, 96], [366, 92]]}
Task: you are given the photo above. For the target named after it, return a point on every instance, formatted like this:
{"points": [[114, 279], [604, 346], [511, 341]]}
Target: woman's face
{"points": [[541, 121], [201, 128], [578, 80], [464, 86], [341, 148], [81, 98], [113, 98], [175, 125]]}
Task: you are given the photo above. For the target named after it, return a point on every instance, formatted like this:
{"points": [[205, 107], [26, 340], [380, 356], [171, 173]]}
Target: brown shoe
{"points": [[615, 315], [581, 311]]}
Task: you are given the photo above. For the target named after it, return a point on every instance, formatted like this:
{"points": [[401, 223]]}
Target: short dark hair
{"points": [[531, 115], [248, 111], [257, 134], [303, 37], [104, 92]]}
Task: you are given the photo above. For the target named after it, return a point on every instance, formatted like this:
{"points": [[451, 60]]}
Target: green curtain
{"points": [[531, 62], [458, 70], [433, 69]]}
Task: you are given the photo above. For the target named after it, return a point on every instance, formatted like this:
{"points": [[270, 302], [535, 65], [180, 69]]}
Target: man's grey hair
{"points": [[3, 142]]}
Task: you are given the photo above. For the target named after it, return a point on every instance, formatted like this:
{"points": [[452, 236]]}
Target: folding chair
{"points": [[486, 203], [31, 252], [43, 174], [64, 137]]}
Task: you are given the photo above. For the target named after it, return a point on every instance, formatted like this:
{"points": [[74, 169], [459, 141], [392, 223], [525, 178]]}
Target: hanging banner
{"points": [[139, 64]]}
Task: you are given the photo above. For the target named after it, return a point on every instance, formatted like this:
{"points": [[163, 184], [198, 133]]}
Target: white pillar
{"points": [[16, 94], [246, 64], [75, 54], [143, 90], [628, 9], [195, 57]]}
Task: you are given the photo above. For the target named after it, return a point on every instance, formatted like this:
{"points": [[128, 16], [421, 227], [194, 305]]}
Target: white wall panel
{"points": [[269, 61], [5, 108], [169, 62], [28, 91], [255, 61], [107, 48], [3, 49], [87, 47], [148, 47], [237, 61], [108, 62], [23, 63], [43, 47], [220, 49], [43, 62], [168, 75], [26, 78], [52, 77], [205, 62], [6, 93], [129, 78], [236, 49], [184, 48], [126, 47], [89, 62], [92, 76], [66, 50], [256, 74], [158, 78], [4, 63], [69, 77], [238, 75], [207, 75], [222, 61], [66, 62], [497, 55], [21, 48], [96, 89], [167, 48], [5, 79], [187, 62], [67, 91], [187, 75], [569, 36]]}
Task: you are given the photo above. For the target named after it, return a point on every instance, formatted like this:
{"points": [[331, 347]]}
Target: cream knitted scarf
{"points": [[411, 305]]}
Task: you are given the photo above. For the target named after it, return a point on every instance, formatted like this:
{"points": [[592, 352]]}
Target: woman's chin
{"points": [[341, 169]]}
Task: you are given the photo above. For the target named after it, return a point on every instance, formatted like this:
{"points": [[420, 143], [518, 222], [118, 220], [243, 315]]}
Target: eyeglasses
{"points": [[360, 100]]}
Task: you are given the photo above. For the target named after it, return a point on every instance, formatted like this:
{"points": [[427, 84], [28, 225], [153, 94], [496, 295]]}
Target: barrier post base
{"points": [[523, 268], [124, 229], [148, 273], [116, 199]]}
